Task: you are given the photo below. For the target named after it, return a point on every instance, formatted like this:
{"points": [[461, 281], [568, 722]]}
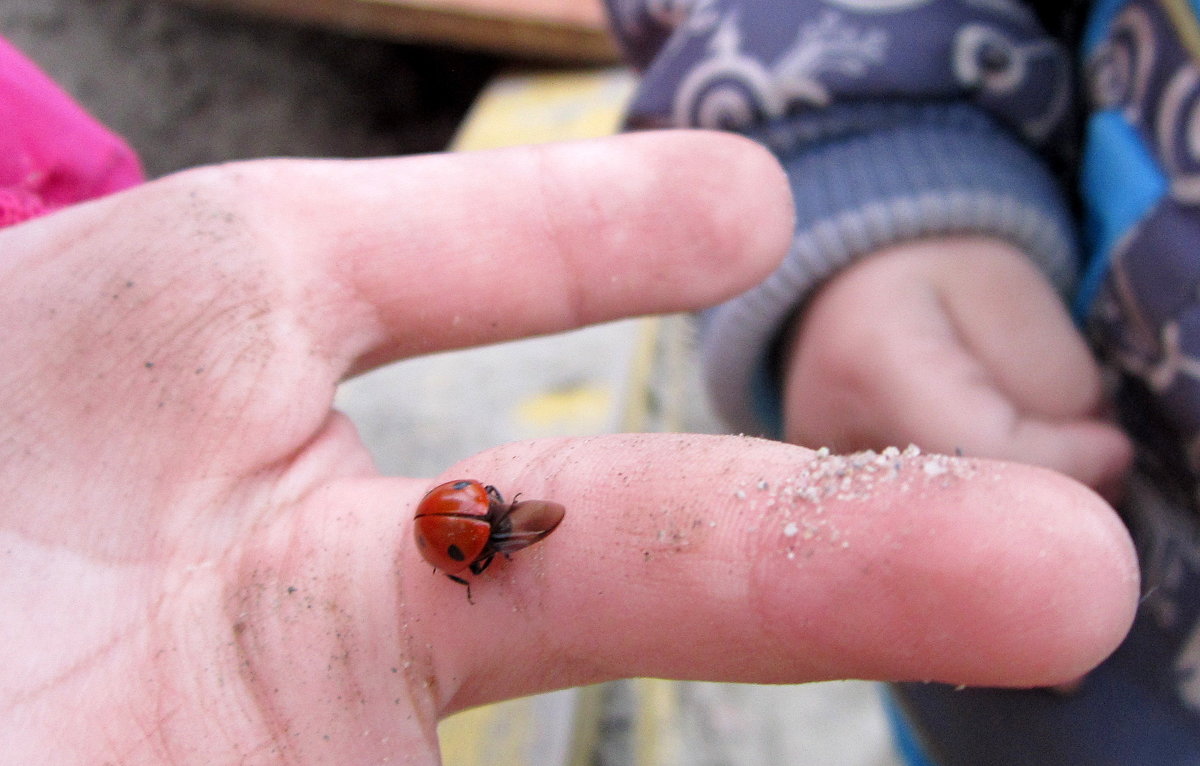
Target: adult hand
{"points": [[955, 343], [198, 562]]}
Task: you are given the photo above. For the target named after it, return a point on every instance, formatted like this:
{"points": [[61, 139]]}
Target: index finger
{"points": [[734, 559]]}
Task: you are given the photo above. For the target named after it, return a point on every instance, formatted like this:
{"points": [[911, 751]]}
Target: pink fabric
{"points": [[52, 152]]}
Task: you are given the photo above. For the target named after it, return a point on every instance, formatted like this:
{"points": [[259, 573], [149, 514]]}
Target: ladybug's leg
{"points": [[482, 564], [461, 581]]}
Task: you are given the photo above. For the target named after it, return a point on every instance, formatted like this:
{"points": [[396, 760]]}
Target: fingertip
{"points": [[962, 571], [769, 216], [1062, 593], [742, 207], [1088, 598], [1097, 453], [1108, 473]]}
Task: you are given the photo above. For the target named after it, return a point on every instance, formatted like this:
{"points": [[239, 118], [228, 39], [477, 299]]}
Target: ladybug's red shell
{"points": [[462, 525], [464, 497], [452, 525], [451, 544]]}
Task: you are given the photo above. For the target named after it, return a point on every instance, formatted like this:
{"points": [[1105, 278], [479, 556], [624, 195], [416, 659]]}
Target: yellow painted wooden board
{"points": [[531, 108], [532, 730], [559, 30], [583, 13]]}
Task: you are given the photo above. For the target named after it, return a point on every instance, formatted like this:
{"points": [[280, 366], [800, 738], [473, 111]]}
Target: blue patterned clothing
{"points": [[884, 140], [899, 119]]}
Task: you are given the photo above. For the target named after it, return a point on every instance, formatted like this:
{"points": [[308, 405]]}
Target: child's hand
{"points": [[953, 343]]}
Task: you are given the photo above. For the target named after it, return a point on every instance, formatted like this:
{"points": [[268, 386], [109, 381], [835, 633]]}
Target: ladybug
{"points": [[461, 525]]}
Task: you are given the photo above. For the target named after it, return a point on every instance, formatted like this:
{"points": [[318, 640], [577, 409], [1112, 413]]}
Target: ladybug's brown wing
{"points": [[526, 522]]}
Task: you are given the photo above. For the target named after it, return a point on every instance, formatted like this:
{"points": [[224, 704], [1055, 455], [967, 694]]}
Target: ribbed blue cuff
{"points": [[865, 178]]}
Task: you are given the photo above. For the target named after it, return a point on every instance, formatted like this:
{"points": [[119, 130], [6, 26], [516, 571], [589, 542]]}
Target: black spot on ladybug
{"points": [[461, 484], [455, 553], [421, 542]]}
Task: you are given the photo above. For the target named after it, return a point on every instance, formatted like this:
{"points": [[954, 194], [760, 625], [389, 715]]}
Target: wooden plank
{"points": [[559, 30], [537, 107], [585, 13], [530, 730]]}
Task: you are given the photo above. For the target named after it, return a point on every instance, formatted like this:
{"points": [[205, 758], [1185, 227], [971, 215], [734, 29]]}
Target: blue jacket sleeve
{"points": [[895, 120], [1141, 186]]}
